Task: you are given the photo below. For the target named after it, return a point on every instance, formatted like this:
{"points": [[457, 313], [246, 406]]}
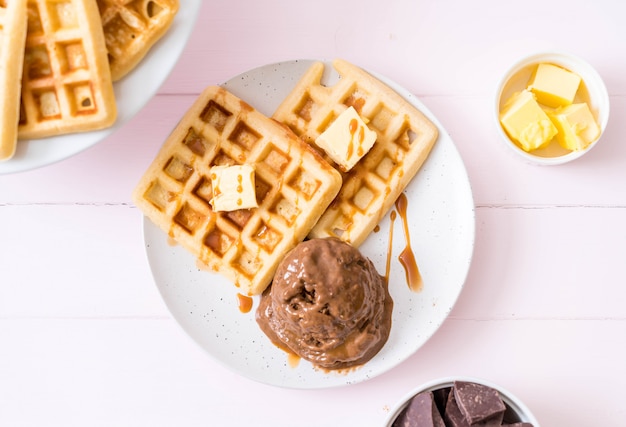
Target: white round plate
{"points": [[132, 93], [441, 217]]}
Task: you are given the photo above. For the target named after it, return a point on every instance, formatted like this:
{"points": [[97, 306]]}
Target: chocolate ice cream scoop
{"points": [[327, 304]]}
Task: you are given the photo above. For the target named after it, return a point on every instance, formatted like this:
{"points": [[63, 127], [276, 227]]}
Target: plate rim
{"points": [[176, 38], [469, 233]]}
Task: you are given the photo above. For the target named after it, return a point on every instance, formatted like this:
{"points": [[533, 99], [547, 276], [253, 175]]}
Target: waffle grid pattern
{"points": [[404, 140], [293, 187], [131, 27], [66, 83], [12, 35]]}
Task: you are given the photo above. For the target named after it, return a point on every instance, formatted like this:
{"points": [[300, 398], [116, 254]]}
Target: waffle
{"points": [[131, 27], [12, 39], [66, 81], [294, 186], [405, 137]]}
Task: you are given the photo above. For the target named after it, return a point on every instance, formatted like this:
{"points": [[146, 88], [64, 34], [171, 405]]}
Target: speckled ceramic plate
{"points": [[132, 93], [441, 217]]}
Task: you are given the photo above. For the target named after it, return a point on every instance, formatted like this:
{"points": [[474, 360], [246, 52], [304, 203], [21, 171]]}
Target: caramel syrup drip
{"points": [[245, 303], [239, 188], [293, 360], [407, 257], [240, 182], [354, 127], [361, 139], [392, 218]]}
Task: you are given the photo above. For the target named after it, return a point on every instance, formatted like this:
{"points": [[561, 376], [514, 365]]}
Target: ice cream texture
{"points": [[328, 305]]}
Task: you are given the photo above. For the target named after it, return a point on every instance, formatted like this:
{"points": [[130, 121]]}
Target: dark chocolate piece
{"points": [[477, 402], [453, 415], [495, 421], [510, 416], [441, 398], [399, 421], [421, 412]]}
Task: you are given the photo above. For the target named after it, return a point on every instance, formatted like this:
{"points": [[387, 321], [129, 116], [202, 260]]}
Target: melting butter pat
{"points": [[526, 122], [233, 188], [576, 125], [554, 86], [347, 139]]}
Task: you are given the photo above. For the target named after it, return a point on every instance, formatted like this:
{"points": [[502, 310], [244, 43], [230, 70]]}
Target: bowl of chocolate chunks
{"points": [[460, 402]]}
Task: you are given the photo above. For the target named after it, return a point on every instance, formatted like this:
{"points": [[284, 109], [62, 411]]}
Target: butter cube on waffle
{"points": [[131, 28], [405, 137], [12, 39], [293, 187], [233, 188], [66, 81]]}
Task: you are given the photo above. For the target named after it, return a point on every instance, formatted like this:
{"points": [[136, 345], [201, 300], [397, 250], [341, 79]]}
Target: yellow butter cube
{"points": [[233, 188], [526, 122], [347, 139], [576, 125], [554, 86]]}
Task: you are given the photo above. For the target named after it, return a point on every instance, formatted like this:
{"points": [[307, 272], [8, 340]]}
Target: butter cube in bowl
{"points": [[460, 401], [551, 108]]}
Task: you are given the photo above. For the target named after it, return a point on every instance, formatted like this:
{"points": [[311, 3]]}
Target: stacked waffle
{"points": [[299, 190], [131, 28], [294, 185], [65, 74], [12, 36], [404, 139]]}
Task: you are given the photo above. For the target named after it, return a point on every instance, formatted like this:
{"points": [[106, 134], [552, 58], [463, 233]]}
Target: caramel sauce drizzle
{"points": [[245, 303], [407, 257], [361, 139], [293, 360], [239, 181], [216, 189], [392, 219], [354, 127]]}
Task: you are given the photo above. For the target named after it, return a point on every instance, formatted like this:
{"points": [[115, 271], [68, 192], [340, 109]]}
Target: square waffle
{"points": [[66, 81], [131, 27], [294, 186], [12, 39], [405, 137]]}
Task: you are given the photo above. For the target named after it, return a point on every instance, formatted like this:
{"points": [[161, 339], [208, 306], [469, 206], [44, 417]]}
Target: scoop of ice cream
{"points": [[327, 304]]}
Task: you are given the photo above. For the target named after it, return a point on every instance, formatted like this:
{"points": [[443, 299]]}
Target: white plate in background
{"points": [[132, 93], [441, 222]]}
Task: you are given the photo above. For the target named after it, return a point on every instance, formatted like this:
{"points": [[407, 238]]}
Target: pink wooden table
{"points": [[85, 339]]}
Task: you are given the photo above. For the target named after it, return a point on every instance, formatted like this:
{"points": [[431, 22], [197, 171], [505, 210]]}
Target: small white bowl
{"points": [[592, 90], [511, 401]]}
